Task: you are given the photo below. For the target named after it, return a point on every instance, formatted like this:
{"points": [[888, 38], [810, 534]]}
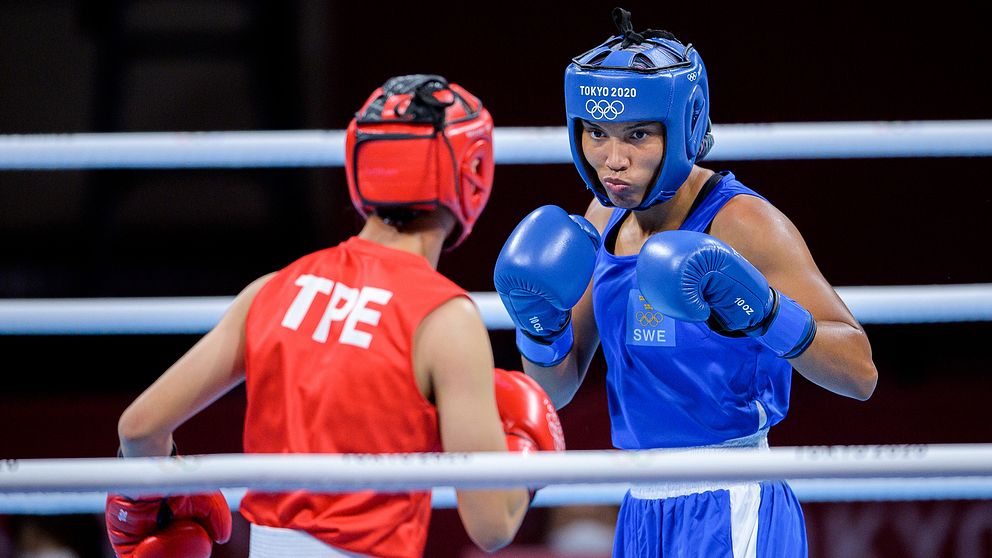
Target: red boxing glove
{"points": [[183, 537], [530, 421], [154, 527]]}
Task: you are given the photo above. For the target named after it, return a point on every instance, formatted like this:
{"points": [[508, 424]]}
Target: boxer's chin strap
{"points": [[621, 18], [707, 144]]}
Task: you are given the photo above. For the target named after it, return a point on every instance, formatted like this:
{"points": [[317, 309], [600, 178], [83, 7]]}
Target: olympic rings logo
{"points": [[602, 108], [648, 319]]}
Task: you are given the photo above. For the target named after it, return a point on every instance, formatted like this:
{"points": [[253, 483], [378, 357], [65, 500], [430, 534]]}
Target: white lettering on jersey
{"points": [[334, 312], [345, 303], [361, 313], [311, 285]]}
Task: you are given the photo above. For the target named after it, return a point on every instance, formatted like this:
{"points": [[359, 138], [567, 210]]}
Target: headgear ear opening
{"points": [[477, 177], [695, 127], [707, 143], [413, 144]]}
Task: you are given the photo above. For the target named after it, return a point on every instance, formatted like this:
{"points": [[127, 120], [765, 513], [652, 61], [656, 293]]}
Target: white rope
{"points": [[536, 145], [399, 472], [919, 303], [871, 305], [807, 490], [173, 150], [61, 316]]}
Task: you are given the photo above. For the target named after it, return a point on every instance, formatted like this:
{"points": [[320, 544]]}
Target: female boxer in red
{"points": [[359, 348]]}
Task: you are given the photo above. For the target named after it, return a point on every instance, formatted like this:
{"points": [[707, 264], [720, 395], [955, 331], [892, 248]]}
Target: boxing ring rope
{"points": [[513, 146], [191, 315], [539, 145], [607, 494], [819, 473]]}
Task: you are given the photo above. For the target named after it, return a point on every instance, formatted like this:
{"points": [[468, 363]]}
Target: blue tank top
{"points": [[678, 384]]}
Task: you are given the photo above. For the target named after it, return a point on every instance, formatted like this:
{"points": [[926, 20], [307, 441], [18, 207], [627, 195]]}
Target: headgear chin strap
{"points": [[634, 77], [420, 143]]}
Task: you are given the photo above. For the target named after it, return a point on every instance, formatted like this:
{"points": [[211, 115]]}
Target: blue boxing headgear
{"points": [[633, 77]]}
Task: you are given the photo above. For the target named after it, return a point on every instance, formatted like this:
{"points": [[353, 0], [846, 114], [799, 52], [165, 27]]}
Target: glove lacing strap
{"points": [[546, 352], [789, 329]]}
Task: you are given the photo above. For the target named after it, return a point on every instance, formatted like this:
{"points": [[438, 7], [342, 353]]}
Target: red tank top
{"points": [[329, 369]]}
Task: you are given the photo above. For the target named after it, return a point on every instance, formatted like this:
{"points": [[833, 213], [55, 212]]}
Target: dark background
{"points": [[112, 66]]}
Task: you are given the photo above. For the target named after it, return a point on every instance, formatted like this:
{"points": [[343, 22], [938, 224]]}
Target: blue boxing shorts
{"points": [[699, 520]]}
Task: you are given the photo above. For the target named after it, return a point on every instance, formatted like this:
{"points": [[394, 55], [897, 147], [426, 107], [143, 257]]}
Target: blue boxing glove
{"points": [[695, 277], [541, 273]]}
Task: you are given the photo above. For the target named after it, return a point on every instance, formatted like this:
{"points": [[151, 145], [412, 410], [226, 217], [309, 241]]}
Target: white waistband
{"points": [[275, 542], [757, 440], [657, 491], [661, 491]]}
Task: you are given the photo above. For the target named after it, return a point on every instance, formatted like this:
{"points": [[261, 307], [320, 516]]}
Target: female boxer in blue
{"points": [[703, 294]]}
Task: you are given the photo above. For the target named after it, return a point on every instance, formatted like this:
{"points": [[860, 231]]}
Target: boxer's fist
{"points": [[153, 527], [696, 277], [181, 538], [530, 421]]}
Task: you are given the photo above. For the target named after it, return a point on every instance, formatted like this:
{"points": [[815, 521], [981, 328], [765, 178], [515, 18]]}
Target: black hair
{"points": [[398, 216]]}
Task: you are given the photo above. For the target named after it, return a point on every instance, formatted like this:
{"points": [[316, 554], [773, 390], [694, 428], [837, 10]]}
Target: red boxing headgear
{"points": [[419, 143]]}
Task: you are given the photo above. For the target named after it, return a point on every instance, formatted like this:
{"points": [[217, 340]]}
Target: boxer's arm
{"points": [[562, 381], [839, 358], [452, 347], [207, 371], [137, 527]]}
